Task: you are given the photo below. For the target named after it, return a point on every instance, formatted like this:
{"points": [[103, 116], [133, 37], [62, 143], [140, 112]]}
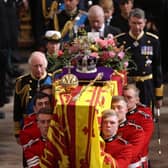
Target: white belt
{"points": [[134, 165], [144, 159]]}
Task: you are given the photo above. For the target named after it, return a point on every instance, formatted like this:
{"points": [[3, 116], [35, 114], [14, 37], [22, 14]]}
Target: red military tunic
{"points": [[120, 149], [28, 133], [34, 151], [144, 119], [145, 108], [134, 134], [30, 118]]}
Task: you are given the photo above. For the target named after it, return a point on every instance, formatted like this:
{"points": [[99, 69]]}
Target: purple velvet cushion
{"points": [[89, 76]]}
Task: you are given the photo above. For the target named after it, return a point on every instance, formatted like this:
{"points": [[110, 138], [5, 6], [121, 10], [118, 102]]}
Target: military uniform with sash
{"points": [[145, 52], [26, 88], [66, 22]]}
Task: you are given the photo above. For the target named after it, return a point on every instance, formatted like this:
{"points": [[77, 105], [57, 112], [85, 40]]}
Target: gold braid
{"points": [[56, 24], [23, 91], [52, 13], [44, 8], [67, 27], [53, 9]]}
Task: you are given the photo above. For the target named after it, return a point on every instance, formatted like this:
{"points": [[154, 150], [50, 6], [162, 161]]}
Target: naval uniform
{"points": [[65, 19], [145, 52], [26, 87]]}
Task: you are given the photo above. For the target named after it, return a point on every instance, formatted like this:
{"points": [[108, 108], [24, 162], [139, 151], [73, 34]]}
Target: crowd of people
{"points": [[127, 127]]}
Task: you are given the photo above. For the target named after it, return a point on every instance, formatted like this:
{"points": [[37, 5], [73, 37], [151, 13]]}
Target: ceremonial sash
{"points": [[68, 27]]}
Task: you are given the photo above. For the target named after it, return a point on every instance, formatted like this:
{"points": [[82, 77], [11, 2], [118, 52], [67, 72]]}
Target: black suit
{"points": [[121, 22], [107, 30]]}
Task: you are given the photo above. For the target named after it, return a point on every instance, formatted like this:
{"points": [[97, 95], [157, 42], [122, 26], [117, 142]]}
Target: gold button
{"points": [[30, 88], [30, 81], [30, 97], [144, 73]]}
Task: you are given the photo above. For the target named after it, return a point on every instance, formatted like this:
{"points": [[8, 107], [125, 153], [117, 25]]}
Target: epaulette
{"points": [[22, 76], [144, 114], [28, 125], [135, 125], [152, 35], [119, 35], [122, 140], [83, 12], [30, 143]]}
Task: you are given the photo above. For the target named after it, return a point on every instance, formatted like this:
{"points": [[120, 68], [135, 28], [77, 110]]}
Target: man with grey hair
{"points": [[27, 86], [96, 22], [145, 50]]}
